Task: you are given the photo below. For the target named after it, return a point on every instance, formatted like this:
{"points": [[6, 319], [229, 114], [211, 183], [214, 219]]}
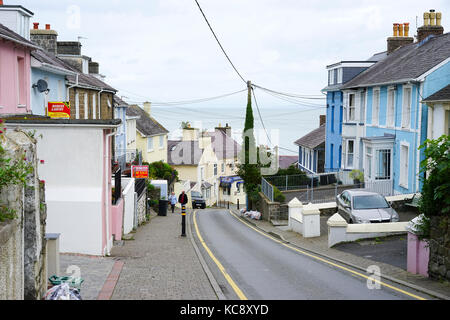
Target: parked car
{"points": [[197, 200], [358, 206]]}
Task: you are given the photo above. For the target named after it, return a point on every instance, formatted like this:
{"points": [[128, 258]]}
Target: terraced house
{"points": [[89, 96], [386, 103]]}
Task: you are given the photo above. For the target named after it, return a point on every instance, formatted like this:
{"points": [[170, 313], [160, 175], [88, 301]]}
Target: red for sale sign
{"points": [[139, 172], [58, 110]]}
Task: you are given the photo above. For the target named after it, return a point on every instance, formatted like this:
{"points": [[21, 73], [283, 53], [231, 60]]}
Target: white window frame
{"points": [[406, 109], [340, 75], [215, 169], [223, 167], [369, 158], [94, 107], [150, 142], [161, 142], [390, 107], [376, 107], [404, 165], [86, 107], [351, 107], [77, 105], [347, 144], [377, 163]]}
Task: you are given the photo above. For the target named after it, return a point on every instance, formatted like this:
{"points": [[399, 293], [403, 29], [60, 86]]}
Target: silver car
{"points": [[358, 206]]}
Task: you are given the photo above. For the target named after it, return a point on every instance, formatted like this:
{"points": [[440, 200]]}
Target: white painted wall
{"points": [[73, 175], [128, 212]]}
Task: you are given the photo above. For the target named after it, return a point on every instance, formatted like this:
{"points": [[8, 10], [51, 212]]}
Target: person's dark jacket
{"points": [[183, 200]]}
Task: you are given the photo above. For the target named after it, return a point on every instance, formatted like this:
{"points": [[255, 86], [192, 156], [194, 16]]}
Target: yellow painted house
{"points": [[151, 136]]}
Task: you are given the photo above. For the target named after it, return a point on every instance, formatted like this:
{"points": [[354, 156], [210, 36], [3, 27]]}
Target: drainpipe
{"points": [[75, 85], [107, 191]]}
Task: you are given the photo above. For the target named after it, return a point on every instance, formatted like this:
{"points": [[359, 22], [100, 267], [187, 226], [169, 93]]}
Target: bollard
{"points": [[228, 204], [183, 221], [238, 204]]}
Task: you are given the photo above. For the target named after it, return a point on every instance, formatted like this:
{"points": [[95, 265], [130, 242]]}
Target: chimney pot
{"points": [[432, 18], [400, 30], [406, 27], [47, 27], [438, 18], [426, 19], [395, 29], [35, 25]]}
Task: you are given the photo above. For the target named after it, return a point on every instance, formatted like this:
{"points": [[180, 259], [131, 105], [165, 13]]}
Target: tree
{"points": [[249, 167], [435, 200], [162, 171]]}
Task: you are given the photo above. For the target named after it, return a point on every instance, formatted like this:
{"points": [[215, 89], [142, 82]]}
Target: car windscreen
{"points": [[196, 194], [369, 202]]}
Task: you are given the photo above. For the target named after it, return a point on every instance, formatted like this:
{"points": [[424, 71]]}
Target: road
{"points": [[251, 265]]}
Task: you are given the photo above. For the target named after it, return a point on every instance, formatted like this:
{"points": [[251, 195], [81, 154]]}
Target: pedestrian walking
{"points": [[173, 201], [183, 198]]}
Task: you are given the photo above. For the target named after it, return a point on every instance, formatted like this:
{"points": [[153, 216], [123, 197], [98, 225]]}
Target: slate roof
{"points": [[49, 58], [8, 34], [441, 95], [119, 102], [186, 153], [286, 161], [313, 139], [223, 145], [147, 125], [406, 63]]}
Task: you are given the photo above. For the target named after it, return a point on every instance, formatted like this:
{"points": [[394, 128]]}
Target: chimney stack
{"points": [[400, 37], [226, 130], [46, 39], [148, 108], [94, 68], [323, 119], [431, 25]]}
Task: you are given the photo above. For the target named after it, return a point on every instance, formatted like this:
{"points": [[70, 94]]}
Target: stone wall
{"points": [[11, 248], [23, 245], [439, 263], [142, 208], [269, 210]]}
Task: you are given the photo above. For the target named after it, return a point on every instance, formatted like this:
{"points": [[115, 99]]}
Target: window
{"points": [[202, 173], [223, 167], [331, 156], [77, 106], [332, 119], [94, 103], [350, 153], [370, 202], [215, 169], [383, 167], [404, 165], [406, 114], [341, 113], [339, 75], [368, 170], [86, 115], [351, 107], [362, 113], [161, 142], [21, 86], [149, 144], [331, 77], [375, 106], [390, 112]]}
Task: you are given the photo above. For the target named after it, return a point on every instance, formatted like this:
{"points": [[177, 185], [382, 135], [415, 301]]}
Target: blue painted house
{"points": [[47, 67], [338, 75], [384, 119]]}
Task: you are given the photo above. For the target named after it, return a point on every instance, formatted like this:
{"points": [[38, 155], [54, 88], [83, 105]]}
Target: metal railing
{"points": [[123, 157], [117, 186], [319, 188], [267, 189]]}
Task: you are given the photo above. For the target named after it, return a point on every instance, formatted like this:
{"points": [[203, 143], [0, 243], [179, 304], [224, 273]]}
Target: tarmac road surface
{"points": [[249, 264]]}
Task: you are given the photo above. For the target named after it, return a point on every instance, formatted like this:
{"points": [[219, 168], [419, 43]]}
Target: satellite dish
{"points": [[41, 85]]}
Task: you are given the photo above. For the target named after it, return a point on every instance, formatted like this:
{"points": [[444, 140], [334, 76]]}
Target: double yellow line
{"points": [[243, 297]]}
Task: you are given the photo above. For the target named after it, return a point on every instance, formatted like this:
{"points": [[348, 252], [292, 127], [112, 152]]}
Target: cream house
{"points": [[202, 160], [151, 136]]}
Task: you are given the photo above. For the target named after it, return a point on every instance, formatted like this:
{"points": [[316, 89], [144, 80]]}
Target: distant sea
{"points": [[284, 124]]}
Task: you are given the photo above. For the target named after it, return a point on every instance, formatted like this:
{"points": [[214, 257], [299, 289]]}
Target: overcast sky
{"points": [[164, 51]]}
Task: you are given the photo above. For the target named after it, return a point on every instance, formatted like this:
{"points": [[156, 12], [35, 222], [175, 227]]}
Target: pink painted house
{"points": [[15, 75]]}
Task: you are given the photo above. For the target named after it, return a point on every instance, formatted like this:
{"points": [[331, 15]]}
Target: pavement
{"points": [[351, 257], [159, 264]]}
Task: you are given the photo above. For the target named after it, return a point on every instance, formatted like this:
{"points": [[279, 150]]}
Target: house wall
{"points": [[158, 154], [75, 197], [129, 205], [131, 134], [121, 136], [403, 136], [333, 132], [14, 98], [105, 112], [57, 86]]}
